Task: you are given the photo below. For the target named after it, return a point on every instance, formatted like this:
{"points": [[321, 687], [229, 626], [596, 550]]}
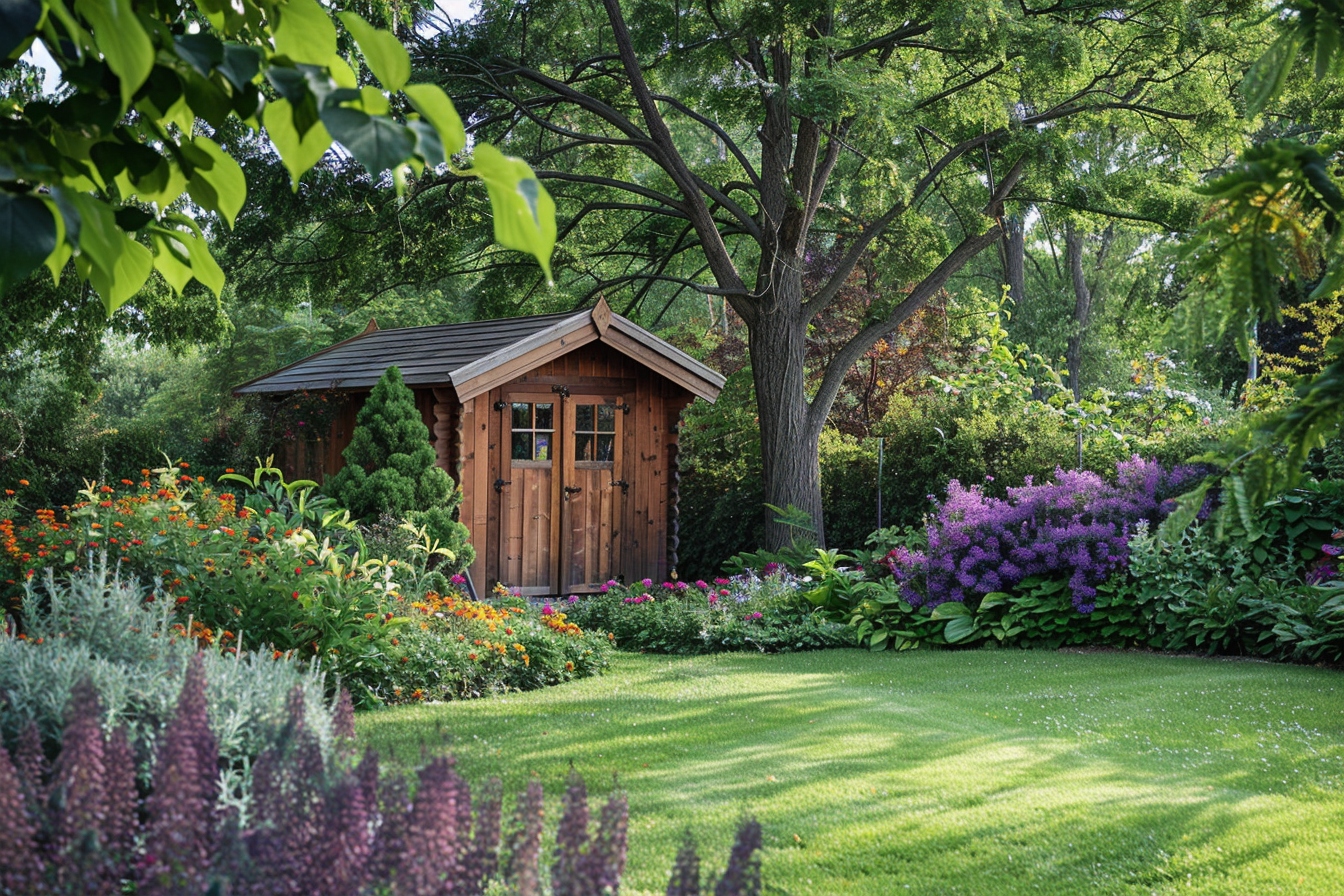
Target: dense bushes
{"points": [[315, 824], [764, 612]]}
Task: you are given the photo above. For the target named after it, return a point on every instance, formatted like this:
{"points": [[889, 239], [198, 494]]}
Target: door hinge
{"points": [[625, 486], [562, 391], [623, 407]]}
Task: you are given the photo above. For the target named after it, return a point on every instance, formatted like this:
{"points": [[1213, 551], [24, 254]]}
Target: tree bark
{"points": [[1014, 247], [1083, 298], [789, 452]]}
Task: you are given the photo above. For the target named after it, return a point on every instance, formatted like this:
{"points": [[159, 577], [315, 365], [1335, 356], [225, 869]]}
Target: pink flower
{"points": [[547, 611], [458, 579], [701, 584], [713, 598]]}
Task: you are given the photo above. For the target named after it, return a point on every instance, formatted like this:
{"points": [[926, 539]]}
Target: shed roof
{"points": [[466, 355]]}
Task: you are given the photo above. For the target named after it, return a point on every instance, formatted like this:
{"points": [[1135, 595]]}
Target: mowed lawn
{"points": [[979, 772]]}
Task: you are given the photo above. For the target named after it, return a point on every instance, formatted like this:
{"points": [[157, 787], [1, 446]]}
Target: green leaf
{"points": [[202, 51], [378, 143], [994, 599], [428, 145], [524, 212], [386, 57], [298, 153], [18, 20], [116, 265], [123, 42], [217, 183], [27, 237], [172, 259], [959, 629], [432, 103], [951, 609], [240, 64], [305, 32]]}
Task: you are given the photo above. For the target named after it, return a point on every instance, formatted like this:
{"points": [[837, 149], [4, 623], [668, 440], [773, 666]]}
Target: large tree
{"points": [[739, 146]]}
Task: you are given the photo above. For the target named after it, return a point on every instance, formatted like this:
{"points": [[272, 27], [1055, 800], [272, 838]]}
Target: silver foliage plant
{"points": [[120, 636]]}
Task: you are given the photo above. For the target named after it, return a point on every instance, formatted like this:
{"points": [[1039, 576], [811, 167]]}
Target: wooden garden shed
{"points": [[561, 430]]}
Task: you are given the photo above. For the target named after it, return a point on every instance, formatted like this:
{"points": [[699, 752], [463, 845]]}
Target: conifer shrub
{"points": [[314, 825], [390, 469]]}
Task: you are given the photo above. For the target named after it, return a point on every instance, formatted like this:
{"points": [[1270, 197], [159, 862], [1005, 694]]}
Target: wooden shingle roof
{"points": [[476, 356]]}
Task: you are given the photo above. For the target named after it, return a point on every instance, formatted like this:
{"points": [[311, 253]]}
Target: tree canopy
{"points": [[761, 152]]}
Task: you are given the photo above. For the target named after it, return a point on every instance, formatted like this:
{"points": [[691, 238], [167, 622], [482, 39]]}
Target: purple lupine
{"points": [[742, 877], [390, 840], [525, 843], [178, 839], [340, 854], [21, 867], [571, 841], [605, 861], [685, 870]]}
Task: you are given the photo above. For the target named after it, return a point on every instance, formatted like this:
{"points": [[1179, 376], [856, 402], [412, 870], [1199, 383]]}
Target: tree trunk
{"points": [[1082, 308], [789, 455], [1014, 248]]}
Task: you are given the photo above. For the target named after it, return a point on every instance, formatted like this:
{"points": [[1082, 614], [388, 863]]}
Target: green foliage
{"points": [[99, 176], [390, 467]]}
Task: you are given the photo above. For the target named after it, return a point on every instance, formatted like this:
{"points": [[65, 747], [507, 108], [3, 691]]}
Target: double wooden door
{"points": [[561, 493]]}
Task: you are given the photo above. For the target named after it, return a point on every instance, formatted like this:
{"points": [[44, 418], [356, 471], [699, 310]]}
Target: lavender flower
{"points": [[743, 874], [20, 865], [525, 844], [685, 870], [571, 840]]}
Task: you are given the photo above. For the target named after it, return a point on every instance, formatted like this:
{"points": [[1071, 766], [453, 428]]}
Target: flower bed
{"points": [[751, 611], [276, 566]]}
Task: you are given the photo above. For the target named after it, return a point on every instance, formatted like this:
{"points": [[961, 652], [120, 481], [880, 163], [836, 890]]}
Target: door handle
{"points": [[500, 483], [573, 489]]}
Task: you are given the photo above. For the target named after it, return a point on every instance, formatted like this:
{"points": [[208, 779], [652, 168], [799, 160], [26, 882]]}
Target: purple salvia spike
{"points": [[432, 836], [343, 722], [123, 820], [525, 855], [685, 870], [391, 842], [79, 795], [743, 875], [21, 868], [482, 859], [341, 850], [30, 761], [181, 808], [571, 841], [605, 862]]}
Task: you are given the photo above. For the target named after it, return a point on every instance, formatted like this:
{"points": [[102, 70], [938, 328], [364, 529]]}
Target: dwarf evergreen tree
{"points": [[390, 468]]}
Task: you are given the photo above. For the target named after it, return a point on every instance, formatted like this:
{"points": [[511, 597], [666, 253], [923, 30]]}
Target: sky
{"points": [[38, 55]]}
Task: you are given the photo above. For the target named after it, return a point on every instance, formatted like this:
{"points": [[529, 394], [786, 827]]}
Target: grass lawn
{"points": [[981, 772]]}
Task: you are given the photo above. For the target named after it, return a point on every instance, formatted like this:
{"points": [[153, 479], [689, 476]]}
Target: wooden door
{"points": [[592, 492], [528, 491]]}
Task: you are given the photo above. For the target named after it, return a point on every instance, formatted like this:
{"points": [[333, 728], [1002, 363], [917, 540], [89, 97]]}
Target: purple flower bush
{"points": [[1077, 526]]}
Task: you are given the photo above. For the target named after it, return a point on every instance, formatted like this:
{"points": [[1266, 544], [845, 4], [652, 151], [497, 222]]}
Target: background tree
{"points": [[390, 468], [732, 146]]}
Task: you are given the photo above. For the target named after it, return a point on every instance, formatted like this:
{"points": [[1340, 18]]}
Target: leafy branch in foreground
{"points": [[1275, 218], [108, 174]]}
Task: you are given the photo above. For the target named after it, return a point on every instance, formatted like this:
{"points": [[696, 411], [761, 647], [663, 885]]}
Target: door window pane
{"points": [[606, 418], [583, 446], [583, 418], [533, 430], [606, 447]]}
